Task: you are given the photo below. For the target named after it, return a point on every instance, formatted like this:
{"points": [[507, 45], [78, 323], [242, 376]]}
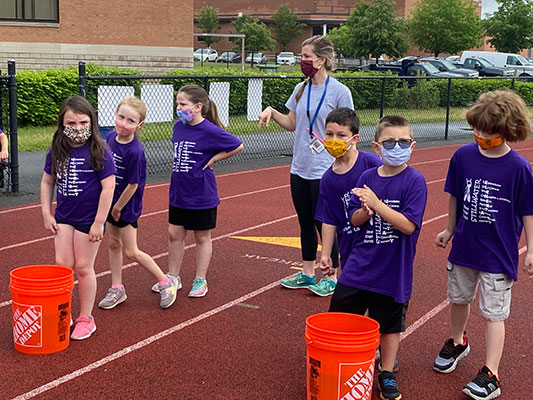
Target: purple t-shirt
{"points": [[492, 195], [130, 163], [335, 192], [192, 187], [382, 257], [79, 187]]}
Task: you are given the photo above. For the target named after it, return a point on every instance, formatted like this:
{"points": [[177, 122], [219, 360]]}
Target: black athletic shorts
{"points": [[193, 220], [120, 223], [389, 313]]}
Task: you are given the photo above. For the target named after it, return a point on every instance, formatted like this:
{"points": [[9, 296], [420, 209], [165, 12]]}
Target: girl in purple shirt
{"points": [[199, 141], [490, 187], [130, 161], [81, 166]]}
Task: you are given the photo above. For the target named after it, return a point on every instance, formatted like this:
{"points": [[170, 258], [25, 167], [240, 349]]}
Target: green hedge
{"points": [[40, 93]]}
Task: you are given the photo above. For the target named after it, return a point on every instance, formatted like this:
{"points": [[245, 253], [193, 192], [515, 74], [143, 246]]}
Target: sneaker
{"points": [[155, 287], [199, 288], [325, 287], [168, 292], [484, 386], [298, 281], [113, 298], [450, 355], [388, 387], [84, 328]]}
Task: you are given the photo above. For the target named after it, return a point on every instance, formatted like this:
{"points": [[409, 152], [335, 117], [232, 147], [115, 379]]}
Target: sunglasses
{"points": [[389, 144]]}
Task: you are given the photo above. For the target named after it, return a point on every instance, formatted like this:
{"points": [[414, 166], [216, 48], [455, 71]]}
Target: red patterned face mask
{"points": [[488, 143]]}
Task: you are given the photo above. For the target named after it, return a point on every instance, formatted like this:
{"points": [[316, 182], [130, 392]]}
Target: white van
{"points": [[503, 60]]}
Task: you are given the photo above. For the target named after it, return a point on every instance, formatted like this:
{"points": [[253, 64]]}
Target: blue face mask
{"points": [[395, 156], [186, 115]]}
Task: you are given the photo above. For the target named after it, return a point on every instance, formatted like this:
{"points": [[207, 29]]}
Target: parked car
{"points": [[205, 55], [444, 65], [229, 57], [410, 66], [452, 58], [259, 58], [502, 60], [484, 67], [286, 57]]}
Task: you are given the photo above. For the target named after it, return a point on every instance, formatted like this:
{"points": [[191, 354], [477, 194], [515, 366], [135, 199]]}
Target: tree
{"points": [[207, 21], [445, 26], [258, 36], [286, 26], [341, 40], [375, 29], [511, 26]]}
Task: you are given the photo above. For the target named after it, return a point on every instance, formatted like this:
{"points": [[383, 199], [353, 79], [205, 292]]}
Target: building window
{"points": [[29, 10]]}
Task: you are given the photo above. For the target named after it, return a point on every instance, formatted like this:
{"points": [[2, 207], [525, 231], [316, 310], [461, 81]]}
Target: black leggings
{"points": [[304, 194]]}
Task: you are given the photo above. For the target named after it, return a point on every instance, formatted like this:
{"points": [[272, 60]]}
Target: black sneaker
{"points": [[450, 355], [388, 387], [484, 386]]}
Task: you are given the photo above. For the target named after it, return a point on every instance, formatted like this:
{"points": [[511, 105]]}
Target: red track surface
{"points": [[245, 339]]}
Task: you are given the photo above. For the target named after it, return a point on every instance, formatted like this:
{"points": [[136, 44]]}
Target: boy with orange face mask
{"points": [[341, 137], [490, 187]]}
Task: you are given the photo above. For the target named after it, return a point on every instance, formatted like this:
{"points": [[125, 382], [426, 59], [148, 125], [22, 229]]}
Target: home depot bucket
{"points": [[41, 308], [341, 349]]}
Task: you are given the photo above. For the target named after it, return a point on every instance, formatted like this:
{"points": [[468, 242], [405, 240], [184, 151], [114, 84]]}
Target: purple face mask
{"points": [[307, 68], [186, 115]]}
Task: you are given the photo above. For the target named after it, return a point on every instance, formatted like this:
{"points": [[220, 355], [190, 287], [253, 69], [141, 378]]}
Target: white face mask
{"points": [[395, 156]]}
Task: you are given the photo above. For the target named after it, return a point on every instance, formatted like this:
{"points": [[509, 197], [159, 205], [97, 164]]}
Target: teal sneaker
{"points": [[325, 287], [298, 281], [199, 288]]}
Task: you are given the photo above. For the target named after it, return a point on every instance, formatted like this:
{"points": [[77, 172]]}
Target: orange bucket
{"points": [[41, 308], [341, 350]]}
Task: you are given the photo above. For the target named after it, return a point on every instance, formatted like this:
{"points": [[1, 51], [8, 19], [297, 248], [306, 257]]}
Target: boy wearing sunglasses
{"points": [[387, 205], [340, 140]]}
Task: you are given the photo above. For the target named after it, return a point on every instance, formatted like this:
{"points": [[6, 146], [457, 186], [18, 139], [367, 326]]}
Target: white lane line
{"points": [[190, 246], [143, 343], [12, 246]]}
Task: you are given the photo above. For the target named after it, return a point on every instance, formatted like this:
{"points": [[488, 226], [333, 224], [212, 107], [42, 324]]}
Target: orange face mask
{"points": [[488, 143]]}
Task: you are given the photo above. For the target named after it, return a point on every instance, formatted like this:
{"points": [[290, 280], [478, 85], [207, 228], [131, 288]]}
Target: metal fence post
{"points": [[448, 100], [382, 100], [512, 84], [206, 83], [13, 136], [82, 79]]}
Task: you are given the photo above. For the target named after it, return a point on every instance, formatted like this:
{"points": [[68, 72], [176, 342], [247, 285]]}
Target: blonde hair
{"points": [[391, 120], [197, 94], [323, 48], [501, 112], [136, 104]]}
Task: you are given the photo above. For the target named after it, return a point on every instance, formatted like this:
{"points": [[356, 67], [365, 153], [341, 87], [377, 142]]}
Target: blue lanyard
{"points": [[312, 121]]}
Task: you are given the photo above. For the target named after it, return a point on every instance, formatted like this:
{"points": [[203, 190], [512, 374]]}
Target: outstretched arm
{"points": [[287, 122]]}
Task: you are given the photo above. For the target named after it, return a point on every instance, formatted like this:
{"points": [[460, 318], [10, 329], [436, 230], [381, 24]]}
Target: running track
{"points": [[245, 339]]}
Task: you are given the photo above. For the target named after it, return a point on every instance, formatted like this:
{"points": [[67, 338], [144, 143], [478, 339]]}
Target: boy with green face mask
{"points": [[341, 137]]}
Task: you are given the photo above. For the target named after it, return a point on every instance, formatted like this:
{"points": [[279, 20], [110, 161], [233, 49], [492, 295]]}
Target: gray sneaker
{"points": [[113, 298], [168, 292], [155, 287]]}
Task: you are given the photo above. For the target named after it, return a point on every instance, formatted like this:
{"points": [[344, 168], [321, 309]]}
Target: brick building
{"points": [[154, 36], [319, 16]]}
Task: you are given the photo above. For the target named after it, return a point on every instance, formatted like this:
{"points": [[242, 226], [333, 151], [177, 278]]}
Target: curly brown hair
{"points": [[501, 112]]}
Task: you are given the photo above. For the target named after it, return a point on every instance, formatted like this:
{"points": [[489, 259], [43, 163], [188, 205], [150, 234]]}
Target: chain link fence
{"points": [[5, 181], [435, 107]]}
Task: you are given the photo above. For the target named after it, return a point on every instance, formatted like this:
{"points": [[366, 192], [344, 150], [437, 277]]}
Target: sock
{"points": [[462, 343], [309, 276], [119, 287], [164, 281]]}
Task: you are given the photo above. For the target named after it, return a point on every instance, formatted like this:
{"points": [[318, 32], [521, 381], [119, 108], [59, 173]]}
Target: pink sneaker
{"points": [[84, 328]]}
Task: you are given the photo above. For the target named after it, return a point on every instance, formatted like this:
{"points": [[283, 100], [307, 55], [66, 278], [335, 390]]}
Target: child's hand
{"points": [[210, 163], [443, 238], [326, 266], [528, 264], [366, 195], [264, 117], [96, 233], [3, 155], [367, 210], [50, 224], [115, 213]]}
